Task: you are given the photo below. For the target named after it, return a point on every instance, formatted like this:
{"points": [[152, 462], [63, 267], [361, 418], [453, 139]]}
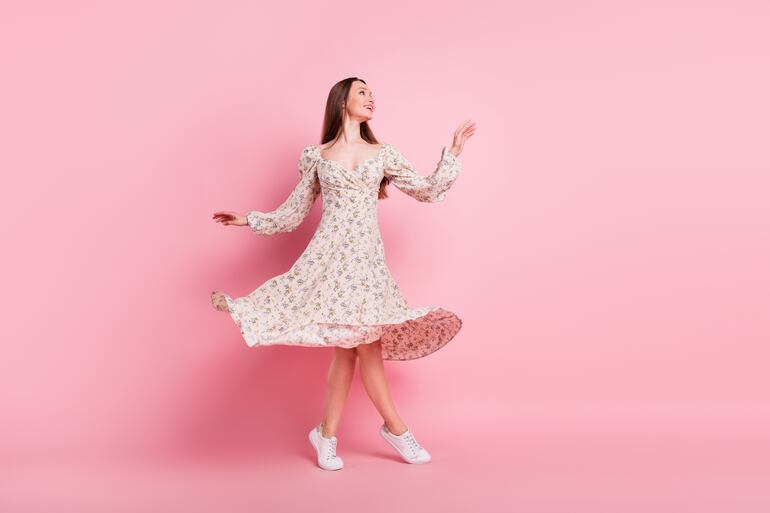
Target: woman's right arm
{"points": [[290, 214]]}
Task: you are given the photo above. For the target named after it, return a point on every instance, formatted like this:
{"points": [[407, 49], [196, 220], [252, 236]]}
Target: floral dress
{"points": [[340, 292]]}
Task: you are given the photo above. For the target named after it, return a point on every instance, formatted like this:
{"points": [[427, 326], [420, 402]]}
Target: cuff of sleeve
{"points": [[447, 155], [256, 222]]}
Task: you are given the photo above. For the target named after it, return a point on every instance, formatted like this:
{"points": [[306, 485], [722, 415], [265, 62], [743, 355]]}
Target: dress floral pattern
{"points": [[340, 292]]}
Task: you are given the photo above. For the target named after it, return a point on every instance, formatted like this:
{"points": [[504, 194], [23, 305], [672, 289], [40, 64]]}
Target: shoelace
{"points": [[331, 449], [413, 444]]}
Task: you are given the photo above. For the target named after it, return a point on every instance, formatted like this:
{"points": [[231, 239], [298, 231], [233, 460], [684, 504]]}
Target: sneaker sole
{"points": [[314, 442], [405, 458]]}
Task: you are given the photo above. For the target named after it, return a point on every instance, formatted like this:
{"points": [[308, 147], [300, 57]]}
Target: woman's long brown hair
{"points": [[333, 116]]}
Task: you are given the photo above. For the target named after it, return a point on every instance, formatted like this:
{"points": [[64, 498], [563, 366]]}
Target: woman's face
{"points": [[360, 102]]}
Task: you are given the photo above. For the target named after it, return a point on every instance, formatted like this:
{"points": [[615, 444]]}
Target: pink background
{"points": [[606, 246]]}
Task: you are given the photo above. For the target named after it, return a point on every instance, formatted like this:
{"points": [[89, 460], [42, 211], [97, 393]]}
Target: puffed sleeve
{"points": [[290, 214], [431, 188]]}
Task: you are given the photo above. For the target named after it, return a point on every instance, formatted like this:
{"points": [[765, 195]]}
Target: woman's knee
{"points": [[368, 349], [345, 352]]}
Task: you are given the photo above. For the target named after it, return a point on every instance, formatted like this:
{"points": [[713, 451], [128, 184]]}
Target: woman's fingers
{"points": [[224, 217], [465, 130]]}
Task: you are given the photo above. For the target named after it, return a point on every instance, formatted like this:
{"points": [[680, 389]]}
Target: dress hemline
{"points": [[416, 336]]}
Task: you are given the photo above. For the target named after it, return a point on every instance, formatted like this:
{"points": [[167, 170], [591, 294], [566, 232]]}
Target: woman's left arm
{"points": [[432, 188]]}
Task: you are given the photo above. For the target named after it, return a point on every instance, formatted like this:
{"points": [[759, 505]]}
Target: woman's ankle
{"points": [[396, 428], [322, 430]]}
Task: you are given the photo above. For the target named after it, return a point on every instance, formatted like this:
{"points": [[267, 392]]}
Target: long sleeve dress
{"points": [[339, 292]]}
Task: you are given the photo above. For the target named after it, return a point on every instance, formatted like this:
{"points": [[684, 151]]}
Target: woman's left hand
{"points": [[463, 132]]}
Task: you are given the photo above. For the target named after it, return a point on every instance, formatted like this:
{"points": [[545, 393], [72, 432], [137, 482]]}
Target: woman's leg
{"points": [[373, 377], [338, 381]]}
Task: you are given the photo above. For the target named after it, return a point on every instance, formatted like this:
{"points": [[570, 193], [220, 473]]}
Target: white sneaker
{"points": [[406, 445], [326, 449]]}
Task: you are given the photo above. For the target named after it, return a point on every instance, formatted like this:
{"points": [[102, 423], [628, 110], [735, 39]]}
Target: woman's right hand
{"points": [[227, 218]]}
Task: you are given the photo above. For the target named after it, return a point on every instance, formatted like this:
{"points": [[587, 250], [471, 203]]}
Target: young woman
{"points": [[339, 293]]}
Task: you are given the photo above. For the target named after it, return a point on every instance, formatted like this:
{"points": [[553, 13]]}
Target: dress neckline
{"points": [[379, 154]]}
